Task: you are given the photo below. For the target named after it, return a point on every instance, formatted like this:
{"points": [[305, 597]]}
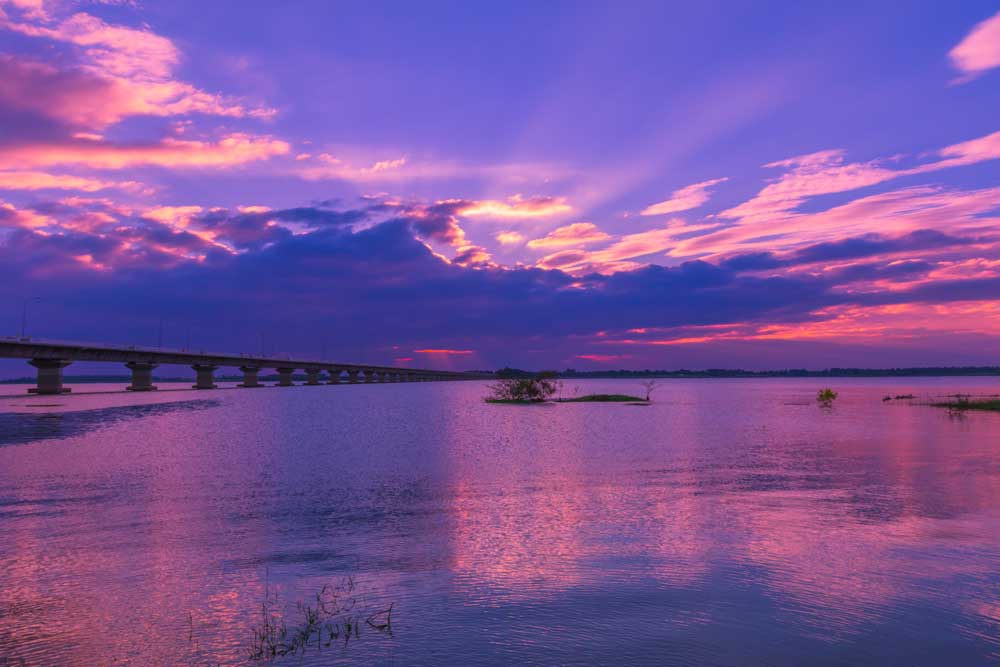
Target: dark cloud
{"points": [[374, 285], [870, 245]]}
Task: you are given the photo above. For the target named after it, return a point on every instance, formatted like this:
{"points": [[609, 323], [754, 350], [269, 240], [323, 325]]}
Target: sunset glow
{"points": [[745, 208]]}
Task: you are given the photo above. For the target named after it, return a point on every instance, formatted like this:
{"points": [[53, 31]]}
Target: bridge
{"points": [[51, 357]]}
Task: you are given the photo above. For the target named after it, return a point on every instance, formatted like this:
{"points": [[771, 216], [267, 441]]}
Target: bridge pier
{"points": [[369, 375], [334, 376], [205, 376], [285, 377], [312, 376], [142, 376], [50, 376], [250, 374], [352, 376]]}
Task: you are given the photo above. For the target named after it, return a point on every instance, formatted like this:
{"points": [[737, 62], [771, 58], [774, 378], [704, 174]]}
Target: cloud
{"points": [[578, 233], [773, 220], [230, 150], [969, 152], [893, 213], [684, 199], [516, 207], [827, 172], [509, 237], [613, 258], [358, 166], [258, 270], [867, 245], [820, 173], [603, 358], [978, 51], [121, 72], [472, 255], [38, 180]]}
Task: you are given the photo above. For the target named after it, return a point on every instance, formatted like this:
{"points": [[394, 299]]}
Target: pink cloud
{"points": [[12, 217], [232, 149], [120, 72], [976, 150], [516, 207], [37, 180], [894, 213], [578, 233], [359, 166], [771, 220], [843, 324], [443, 351], [509, 237], [820, 173], [472, 255], [684, 199], [979, 50], [122, 51], [614, 257], [603, 357]]}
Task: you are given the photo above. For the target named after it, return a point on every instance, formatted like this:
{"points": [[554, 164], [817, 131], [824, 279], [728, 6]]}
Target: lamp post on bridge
{"points": [[24, 312]]}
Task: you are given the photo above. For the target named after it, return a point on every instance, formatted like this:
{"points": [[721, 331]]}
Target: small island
{"points": [[541, 389], [962, 403]]}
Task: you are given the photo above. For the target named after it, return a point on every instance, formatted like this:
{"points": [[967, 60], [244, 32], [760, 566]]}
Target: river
{"points": [[731, 522]]}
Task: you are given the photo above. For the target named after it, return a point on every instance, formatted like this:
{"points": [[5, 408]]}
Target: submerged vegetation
{"points": [[336, 615], [962, 403], [603, 398], [826, 397]]}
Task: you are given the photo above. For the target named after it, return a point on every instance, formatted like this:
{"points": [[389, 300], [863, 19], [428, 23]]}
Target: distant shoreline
{"points": [[966, 371], [933, 371]]}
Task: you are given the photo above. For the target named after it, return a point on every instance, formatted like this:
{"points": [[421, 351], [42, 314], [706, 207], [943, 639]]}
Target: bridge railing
{"points": [[50, 357]]}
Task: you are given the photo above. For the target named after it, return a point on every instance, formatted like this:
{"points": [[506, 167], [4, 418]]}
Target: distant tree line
{"points": [[739, 373]]}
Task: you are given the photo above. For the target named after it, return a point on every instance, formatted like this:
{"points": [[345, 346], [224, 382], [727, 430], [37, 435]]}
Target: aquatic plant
{"points": [[336, 614], [825, 397], [963, 403], [604, 398]]}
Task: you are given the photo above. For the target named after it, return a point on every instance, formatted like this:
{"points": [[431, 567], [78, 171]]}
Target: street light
{"points": [[24, 312]]}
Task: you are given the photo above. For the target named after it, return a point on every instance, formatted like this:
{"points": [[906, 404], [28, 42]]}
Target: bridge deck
{"points": [[50, 357]]}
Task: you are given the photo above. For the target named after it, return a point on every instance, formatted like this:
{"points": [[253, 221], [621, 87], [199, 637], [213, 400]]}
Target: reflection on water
{"points": [[22, 427], [732, 522]]}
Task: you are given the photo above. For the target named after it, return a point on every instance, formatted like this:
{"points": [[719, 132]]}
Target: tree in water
{"points": [[649, 386], [524, 390]]}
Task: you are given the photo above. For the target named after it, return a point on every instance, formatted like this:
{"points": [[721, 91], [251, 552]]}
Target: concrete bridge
{"points": [[51, 357]]}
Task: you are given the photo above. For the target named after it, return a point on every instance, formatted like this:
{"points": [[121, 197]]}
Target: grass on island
{"points": [[589, 398], [604, 398], [990, 404]]}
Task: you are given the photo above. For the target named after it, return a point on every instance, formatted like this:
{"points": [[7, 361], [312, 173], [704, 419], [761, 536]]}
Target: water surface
{"points": [[731, 522]]}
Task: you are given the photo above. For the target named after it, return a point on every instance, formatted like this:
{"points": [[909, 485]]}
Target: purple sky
{"points": [[751, 184]]}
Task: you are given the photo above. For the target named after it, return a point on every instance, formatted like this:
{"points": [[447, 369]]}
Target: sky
{"points": [[475, 185]]}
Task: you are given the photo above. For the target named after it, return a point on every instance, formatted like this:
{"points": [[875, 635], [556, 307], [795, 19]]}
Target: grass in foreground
{"points": [[990, 405], [336, 615]]}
